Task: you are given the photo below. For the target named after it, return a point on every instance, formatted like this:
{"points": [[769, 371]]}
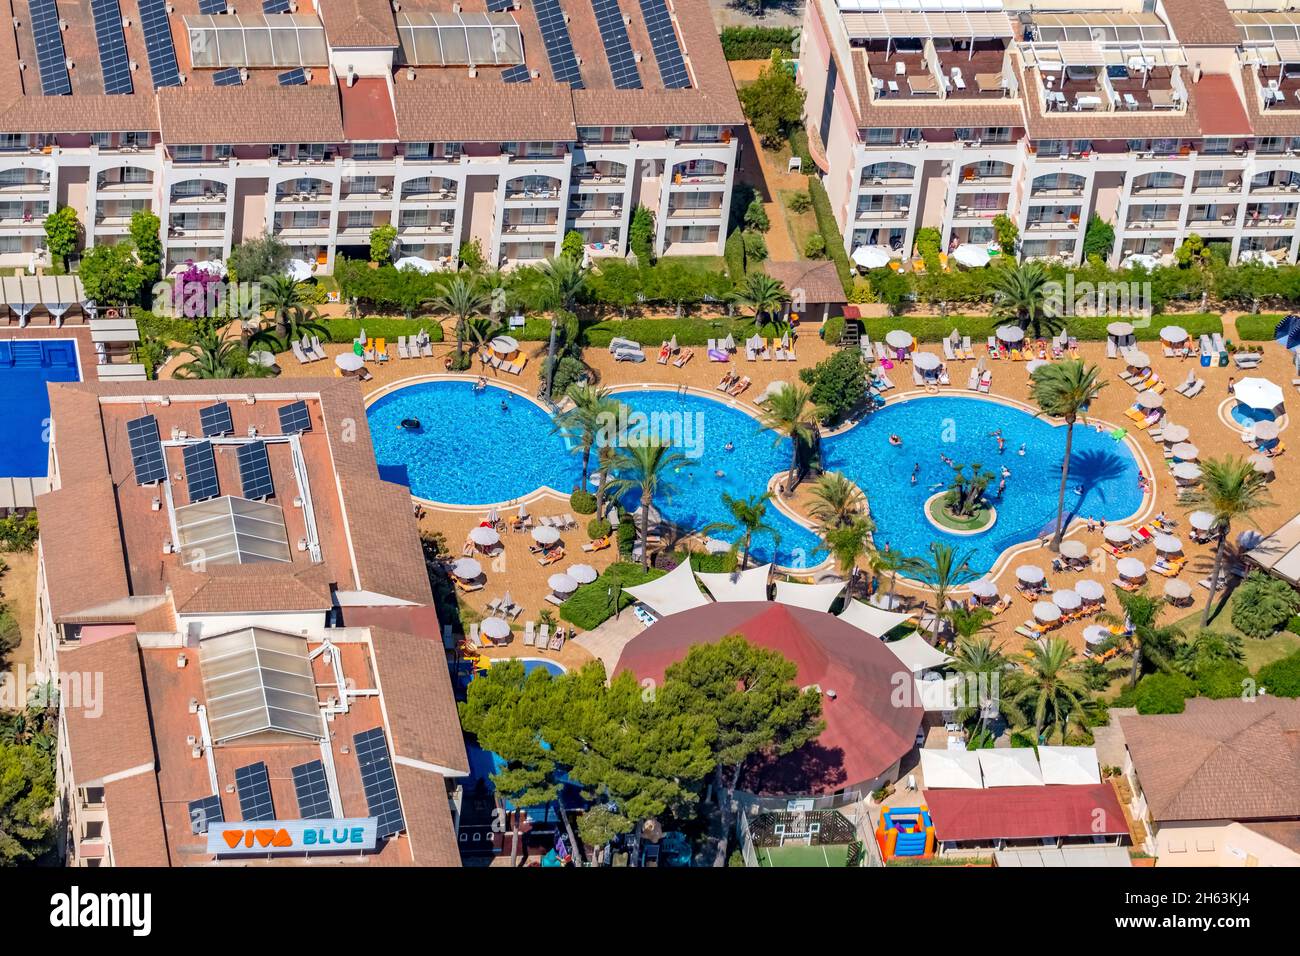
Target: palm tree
{"points": [[291, 324], [981, 665], [1230, 489], [889, 561], [210, 357], [761, 293], [647, 467], [848, 543], [791, 413], [1157, 643], [1051, 692], [748, 517], [1065, 390], [943, 571], [280, 294], [464, 298], [837, 501], [480, 330], [1208, 647], [563, 282], [585, 423], [1020, 293]]}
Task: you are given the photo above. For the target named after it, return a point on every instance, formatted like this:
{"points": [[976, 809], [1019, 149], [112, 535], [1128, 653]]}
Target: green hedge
{"points": [[830, 231], [757, 43], [1257, 328], [345, 330], [932, 328], [651, 332]]}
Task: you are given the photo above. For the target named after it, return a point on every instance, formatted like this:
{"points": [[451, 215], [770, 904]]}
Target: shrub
{"points": [[19, 533], [773, 103], [734, 254], [1099, 238], [626, 536], [815, 247], [928, 240], [799, 202], [471, 255], [1163, 694], [591, 605], [1257, 328], [756, 216], [830, 230], [583, 501], [1221, 680], [382, 239], [1263, 605], [573, 246], [598, 528], [799, 147], [692, 332], [838, 384], [756, 43], [641, 235], [263, 255], [1007, 233], [1282, 677], [833, 330], [343, 331], [755, 247], [1293, 625]]}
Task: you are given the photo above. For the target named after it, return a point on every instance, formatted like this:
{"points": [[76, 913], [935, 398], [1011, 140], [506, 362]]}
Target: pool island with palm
{"points": [[492, 446]]}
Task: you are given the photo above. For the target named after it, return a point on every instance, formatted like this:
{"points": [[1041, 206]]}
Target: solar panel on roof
{"points": [[294, 418], [313, 791], [212, 7], [255, 470], [50, 57], [158, 43], [215, 419], [275, 6], [618, 48], [254, 786], [146, 450], [204, 813], [500, 6], [517, 74], [112, 46], [228, 77], [293, 78], [668, 52], [201, 471], [559, 45], [378, 781]]}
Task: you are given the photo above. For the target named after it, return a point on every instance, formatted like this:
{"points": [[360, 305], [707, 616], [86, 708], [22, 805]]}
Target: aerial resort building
{"points": [[236, 611]]}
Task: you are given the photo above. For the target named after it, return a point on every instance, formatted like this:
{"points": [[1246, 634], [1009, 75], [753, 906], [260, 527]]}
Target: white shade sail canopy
{"points": [[1168, 544], [1095, 634], [1010, 767], [1185, 451], [545, 534], [1069, 765], [873, 620], [971, 255], [1186, 471], [1120, 330], [951, 769], [814, 597], [748, 585], [1265, 430], [938, 694], [1137, 359], [917, 654], [675, 591], [1173, 334], [561, 583], [1150, 399]]}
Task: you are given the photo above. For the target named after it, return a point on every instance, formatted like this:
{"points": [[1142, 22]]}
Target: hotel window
{"points": [[94, 830], [134, 174], [622, 134], [674, 132], [532, 217], [305, 220], [590, 134], [315, 151], [962, 132], [708, 134], [1216, 147], [1162, 180], [997, 134], [13, 177], [695, 201], [364, 150], [136, 139], [187, 154], [93, 796], [363, 184], [881, 135], [13, 141], [359, 219], [416, 150], [450, 150], [1211, 178], [102, 140], [1164, 146], [694, 234], [414, 218], [10, 244]]}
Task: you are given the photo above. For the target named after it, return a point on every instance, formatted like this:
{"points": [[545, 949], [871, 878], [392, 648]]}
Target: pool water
{"points": [[1245, 416], [960, 428], [26, 367], [471, 450]]}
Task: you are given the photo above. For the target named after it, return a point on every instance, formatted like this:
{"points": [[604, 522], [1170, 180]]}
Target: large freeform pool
{"points": [[26, 367], [482, 448]]}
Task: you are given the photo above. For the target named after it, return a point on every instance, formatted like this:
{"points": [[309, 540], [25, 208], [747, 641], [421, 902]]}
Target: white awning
{"points": [[873, 620], [917, 655], [675, 591], [748, 585], [1010, 767], [56, 293], [937, 695], [932, 23], [1280, 551], [1069, 764], [815, 597], [951, 770]]}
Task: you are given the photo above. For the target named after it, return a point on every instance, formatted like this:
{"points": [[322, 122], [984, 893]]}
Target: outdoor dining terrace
{"points": [[938, 70]]}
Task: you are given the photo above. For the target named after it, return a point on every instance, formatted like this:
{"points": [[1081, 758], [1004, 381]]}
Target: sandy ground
{"points": [[18, 592]]}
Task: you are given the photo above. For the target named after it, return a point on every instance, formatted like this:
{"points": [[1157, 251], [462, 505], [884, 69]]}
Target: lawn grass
{"points": [[798, 854], [800, 225], [1258, 651]]}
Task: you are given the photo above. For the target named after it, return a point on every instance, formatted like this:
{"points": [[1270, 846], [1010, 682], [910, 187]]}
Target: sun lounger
{"points": [[917, 377], [617, 343], [967, 351], [880, 352], [739, 387], [1196, 389], [402, 350], [299, 354], [986, 382], [550, 557], [557, 642], [555, 599], [381, 350], [973, 381], [947, 350], [629, 355], [543, 635], [568, 520], [665, 353], [467, 587], [600, 544], [681, 360], [530, 635], [426, 345]]}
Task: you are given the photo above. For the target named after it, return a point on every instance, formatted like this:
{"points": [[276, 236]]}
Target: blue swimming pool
{"points": [[492, 446], [1245, 416], [26, 367], [961, 428]]}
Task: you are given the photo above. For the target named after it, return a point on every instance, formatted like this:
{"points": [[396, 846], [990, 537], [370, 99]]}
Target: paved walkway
{"points": [[776, 13]]}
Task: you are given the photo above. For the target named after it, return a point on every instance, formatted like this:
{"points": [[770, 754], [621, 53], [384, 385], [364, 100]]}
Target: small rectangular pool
{"points": [[26, 367]]}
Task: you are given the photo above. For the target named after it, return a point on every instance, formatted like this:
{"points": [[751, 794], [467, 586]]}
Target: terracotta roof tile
{"points": [[418, 700], [249, 115], [436, 110], [818, 281], [135, 823], [428, 817], [80, 519], [1202, 22], [358, 23], [109, 734]]}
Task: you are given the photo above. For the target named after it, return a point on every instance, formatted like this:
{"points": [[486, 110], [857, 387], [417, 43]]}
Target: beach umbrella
{"points": [[1089, 589], [561, 583], [1258, 393], [1168, 544], [349, 361], [1074, 549], [1173, 434], [1067, 600], [1287, 332], [1173, 334], [971, 255], [1120, 330], [544, 534], [414, 262], [1029, 574], [1130, 568], [497, 628], [1117, 533], [1046, 612], [898, 339], [1035, 365], [467, 569], [1142, 259], [484, 537], [1177, 590], [1138, 360], [522, 512], [1201, 520], [1266, 431], [926, 361], [1187, 471], [1011, 334], [1095, 634], [1185, 451], [1149, 400], [299, 270], [871, 257], [583, 573], [1262, 464], [984, 588]]}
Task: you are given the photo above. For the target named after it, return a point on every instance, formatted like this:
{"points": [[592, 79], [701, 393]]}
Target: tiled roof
{"points": [[135, 823], [367, 110], [428, 817], [818, 281], [1219, 759], [83, 113], [359, 23], [250, 115], [248, 587], [79, 519], [418, 700], [438, 110], [109, 734], [1202, 22]]}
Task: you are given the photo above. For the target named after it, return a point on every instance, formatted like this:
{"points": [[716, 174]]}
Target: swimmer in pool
{"points": [[1021, 451], [729, 446], [504, 406], [895, 441], [719, 474]]}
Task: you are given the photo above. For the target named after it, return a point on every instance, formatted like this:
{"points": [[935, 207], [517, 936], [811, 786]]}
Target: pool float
{"points": [[1118, 433], [410, 424]]}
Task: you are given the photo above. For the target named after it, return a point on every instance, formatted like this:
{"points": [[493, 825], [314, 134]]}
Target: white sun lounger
{"points": [[966, 347], [530, 636], [1196, 389], [299, 354], [403, 350], [947, 350]]}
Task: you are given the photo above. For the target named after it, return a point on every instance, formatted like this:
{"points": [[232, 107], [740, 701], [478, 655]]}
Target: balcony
{"points": [[882, 213], [600, 173], [31, 187], [905, 75], [509, 228], [1271, 216], [1052, 223], [1201, 186]]}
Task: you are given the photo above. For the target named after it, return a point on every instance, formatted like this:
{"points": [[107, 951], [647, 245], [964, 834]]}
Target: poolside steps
{"points": [[33, 354]]}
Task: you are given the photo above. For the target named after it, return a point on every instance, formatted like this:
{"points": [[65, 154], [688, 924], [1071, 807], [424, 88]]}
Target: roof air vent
{"points": [[181, 660], [194, 705], [68, 63], [410, 73], [63, 24], [135, 65], [472, 72], [627, 21], [455, 8], [126, 22], [306, 72], [637, 57]]}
